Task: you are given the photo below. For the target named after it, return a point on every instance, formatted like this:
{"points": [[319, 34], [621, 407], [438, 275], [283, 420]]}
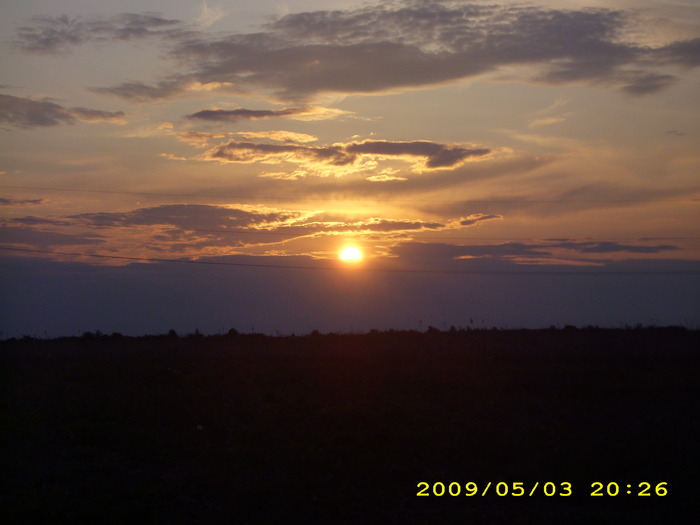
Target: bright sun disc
{"points": [[350, 254]]}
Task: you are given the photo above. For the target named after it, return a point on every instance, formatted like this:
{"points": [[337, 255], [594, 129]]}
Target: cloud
{"points": [[202, 138], [541, 252], [209, 15], [21, 202], [410, 44], [226, 219], [141, 92], [190, 230], [435, 155], [95, 115], [386, 175], [29, 113], [44, 239], [685, 53], [325, 223], [184, 216], [548, 202], [475, 218], [279, 136], [56, 35], [646, 83], [422, 154], [198, 139], [612, 247], [234, 115], [547, 121], [198, 230], [187, 229], [298, 113]]}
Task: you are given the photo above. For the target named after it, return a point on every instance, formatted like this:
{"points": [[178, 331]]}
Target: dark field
{"points": [[342, 428]]}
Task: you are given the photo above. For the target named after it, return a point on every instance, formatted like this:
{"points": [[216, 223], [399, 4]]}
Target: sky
{"points": [[201, 165]]}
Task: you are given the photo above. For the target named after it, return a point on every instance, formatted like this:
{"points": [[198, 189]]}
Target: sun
{"points": [[351, 253]]}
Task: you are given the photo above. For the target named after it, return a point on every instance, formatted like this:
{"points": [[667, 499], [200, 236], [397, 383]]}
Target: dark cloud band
{"points": [[233, 115], [387, 47], [433, 154], [29, 113]]}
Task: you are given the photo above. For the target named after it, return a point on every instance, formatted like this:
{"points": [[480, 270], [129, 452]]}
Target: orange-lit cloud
{"points": [[191, 228], [423, 155], [475, 218], [279, 136]]}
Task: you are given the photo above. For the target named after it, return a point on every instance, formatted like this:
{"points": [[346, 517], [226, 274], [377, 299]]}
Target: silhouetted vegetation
{"points": [[332, 428]]}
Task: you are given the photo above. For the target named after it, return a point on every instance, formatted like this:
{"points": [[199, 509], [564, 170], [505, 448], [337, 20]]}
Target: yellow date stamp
{"points": [[537, 488]]}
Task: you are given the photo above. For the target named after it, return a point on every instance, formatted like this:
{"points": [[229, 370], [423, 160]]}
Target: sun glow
{"points": [[350, 253]]}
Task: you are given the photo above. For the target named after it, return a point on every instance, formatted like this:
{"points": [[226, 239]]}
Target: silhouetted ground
{"points": [[343, 428]]}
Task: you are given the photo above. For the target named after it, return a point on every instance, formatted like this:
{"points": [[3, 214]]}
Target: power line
{"points": [[296, 197], [366, 269]]}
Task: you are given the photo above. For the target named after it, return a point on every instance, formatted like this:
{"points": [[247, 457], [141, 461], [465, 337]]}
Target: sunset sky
{"points": [[201, 164]]}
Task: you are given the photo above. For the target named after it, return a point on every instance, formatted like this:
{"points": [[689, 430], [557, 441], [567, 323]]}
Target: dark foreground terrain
{"points": [[343, 428]]}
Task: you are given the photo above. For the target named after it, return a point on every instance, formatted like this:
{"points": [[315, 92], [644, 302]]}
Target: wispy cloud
{"points": [[476, 218], [209, 15], [279, 136], [141, 92], [55, 35], [32, 113]]}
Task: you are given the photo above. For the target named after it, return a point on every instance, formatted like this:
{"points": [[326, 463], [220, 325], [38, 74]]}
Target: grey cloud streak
{"points": [[21, 202], [141, 92], [478, 217], [30, 113], [445, 252], [413, 44], [613, 247], [233, 115]]}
